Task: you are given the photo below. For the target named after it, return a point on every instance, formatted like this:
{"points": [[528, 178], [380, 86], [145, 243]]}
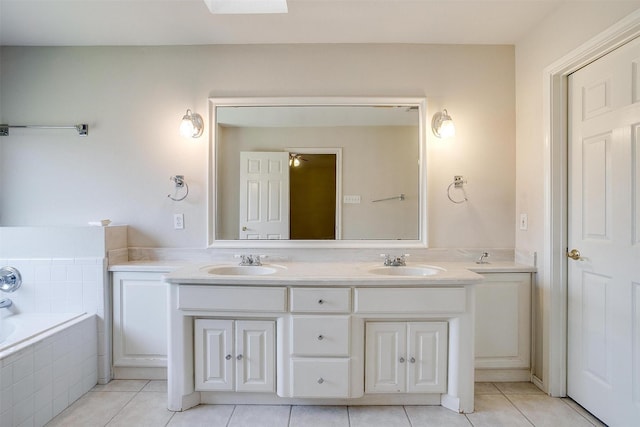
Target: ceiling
{"points": [[189, 22]]}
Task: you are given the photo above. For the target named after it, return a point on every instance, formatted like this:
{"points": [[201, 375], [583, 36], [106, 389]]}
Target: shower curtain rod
{"points": [[83, 129]]}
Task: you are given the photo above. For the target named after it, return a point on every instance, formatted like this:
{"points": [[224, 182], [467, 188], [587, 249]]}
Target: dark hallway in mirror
{"points": [[313, 197]]}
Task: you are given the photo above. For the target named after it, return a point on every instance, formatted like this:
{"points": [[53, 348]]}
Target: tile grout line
{"points": [[518, 409], [404, 408], [513, 404], [578, 412], [231, 415], [290, 411], [125, 405]]}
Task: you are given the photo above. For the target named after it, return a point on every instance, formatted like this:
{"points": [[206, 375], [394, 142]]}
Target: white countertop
{"points": [[333, 273]]}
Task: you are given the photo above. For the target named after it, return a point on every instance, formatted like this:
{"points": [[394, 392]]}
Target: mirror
{"points": [[317, 172]]}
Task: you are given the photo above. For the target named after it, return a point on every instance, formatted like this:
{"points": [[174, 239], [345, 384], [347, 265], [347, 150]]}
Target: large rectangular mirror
{"points": [[317, 172]]}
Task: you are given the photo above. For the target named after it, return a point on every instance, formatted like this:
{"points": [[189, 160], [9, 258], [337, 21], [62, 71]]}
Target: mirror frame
{"points": [[212, 184]]}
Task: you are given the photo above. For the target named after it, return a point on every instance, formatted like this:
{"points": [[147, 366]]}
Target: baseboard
{"points": [[130, 373], [502, 375]]}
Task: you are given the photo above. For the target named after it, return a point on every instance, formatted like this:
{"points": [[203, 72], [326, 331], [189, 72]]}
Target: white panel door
{"points": [[255, 355], [427, 357], [264, 195], [604, 226], [214, 359], [385, 357]]}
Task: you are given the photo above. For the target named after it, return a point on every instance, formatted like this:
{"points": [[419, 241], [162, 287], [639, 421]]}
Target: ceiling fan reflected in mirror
{"points": [[295, 160]]}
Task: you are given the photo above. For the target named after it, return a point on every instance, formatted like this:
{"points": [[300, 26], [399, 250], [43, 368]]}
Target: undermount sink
{"points": [[243, 270], [407, 271]]}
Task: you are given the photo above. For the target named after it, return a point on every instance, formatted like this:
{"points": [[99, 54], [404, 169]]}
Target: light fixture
{"points": [[294, 160], [192, 125], [246, 6], [442, 125]]}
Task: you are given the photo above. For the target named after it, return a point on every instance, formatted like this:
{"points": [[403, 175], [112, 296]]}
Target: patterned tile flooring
{"points": [[143, 403]]}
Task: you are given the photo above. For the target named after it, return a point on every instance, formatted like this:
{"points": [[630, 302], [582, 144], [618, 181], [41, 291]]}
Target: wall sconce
{"points": [[192, 125], [442, 125]]}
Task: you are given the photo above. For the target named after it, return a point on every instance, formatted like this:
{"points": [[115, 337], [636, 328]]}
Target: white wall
{"points": [[569, 27], [133, 99]]}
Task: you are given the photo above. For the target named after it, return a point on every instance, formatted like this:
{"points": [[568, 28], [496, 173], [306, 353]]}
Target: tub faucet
{"points": [[5, 303], [395, 261], [250, 259], [483, 258]]}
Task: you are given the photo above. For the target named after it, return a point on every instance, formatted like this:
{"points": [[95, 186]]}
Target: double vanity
{"points": [[321, 333]]}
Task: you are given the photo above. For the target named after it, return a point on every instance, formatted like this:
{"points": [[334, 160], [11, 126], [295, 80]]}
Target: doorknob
{"points": [[574, 255]]}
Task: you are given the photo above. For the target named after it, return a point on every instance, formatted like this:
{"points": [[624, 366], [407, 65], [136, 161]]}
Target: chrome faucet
{"points": [[250, 259], [483, 258], [395, 261], [10, 279], [5, 303]]}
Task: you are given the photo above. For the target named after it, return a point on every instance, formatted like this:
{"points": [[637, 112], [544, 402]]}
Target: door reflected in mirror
{"points": [[316, 171]]}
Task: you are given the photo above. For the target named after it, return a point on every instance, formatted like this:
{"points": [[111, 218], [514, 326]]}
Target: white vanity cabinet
{"points": [[139, 325], [406, 357], [235, 355], [313, 341], [503, 327]]}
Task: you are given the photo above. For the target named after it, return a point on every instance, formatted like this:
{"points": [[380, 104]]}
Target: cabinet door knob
{"points": [[412, 360], [320, 301], [228, 357], [320, 380], [402, 360], [320, 337], [239, 357]]}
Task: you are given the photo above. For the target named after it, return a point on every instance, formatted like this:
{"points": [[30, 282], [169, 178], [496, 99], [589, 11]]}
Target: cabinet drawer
{"points": [[228, 298], [320, 300], [320, 336], [410, 300], [320, 378]]}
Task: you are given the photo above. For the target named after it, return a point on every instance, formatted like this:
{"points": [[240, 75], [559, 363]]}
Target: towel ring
{"points": [[180, 183], [458, 182]]}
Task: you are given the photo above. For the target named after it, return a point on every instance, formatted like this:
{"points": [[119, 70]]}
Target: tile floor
{"points": [[134, 403]]}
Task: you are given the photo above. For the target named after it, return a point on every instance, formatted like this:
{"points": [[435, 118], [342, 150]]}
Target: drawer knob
{"points": [[320, 301], [228, 357], [239, 357], [402, 360], [320, 380], [412, 360], [320, 337]]}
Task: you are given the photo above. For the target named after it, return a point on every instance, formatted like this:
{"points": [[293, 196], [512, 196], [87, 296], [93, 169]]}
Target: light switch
{"points": [[524, 221]]}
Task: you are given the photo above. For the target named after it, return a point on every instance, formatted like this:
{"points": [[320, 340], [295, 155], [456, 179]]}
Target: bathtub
{"points": [[47, 361]]}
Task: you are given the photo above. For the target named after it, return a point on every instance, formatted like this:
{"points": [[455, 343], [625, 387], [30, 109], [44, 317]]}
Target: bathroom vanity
{"points": [[321, 333]]}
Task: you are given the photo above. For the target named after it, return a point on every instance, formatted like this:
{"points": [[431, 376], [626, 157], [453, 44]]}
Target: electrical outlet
{"points": [[178, 221], [524, 221], [352, 199]]}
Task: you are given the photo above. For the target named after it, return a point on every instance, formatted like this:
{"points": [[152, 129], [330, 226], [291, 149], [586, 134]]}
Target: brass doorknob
{"points": [[574, 254]]}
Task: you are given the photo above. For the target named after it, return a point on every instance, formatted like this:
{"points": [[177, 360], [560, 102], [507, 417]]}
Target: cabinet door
{"points": [[385, 357], [139, 320], [255, 356], [503, 321], [214, 359], [427, 357]]}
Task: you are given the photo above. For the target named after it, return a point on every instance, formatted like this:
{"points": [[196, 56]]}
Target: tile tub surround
{"points": [[67, 285], [41, 379], [137, 403]]}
